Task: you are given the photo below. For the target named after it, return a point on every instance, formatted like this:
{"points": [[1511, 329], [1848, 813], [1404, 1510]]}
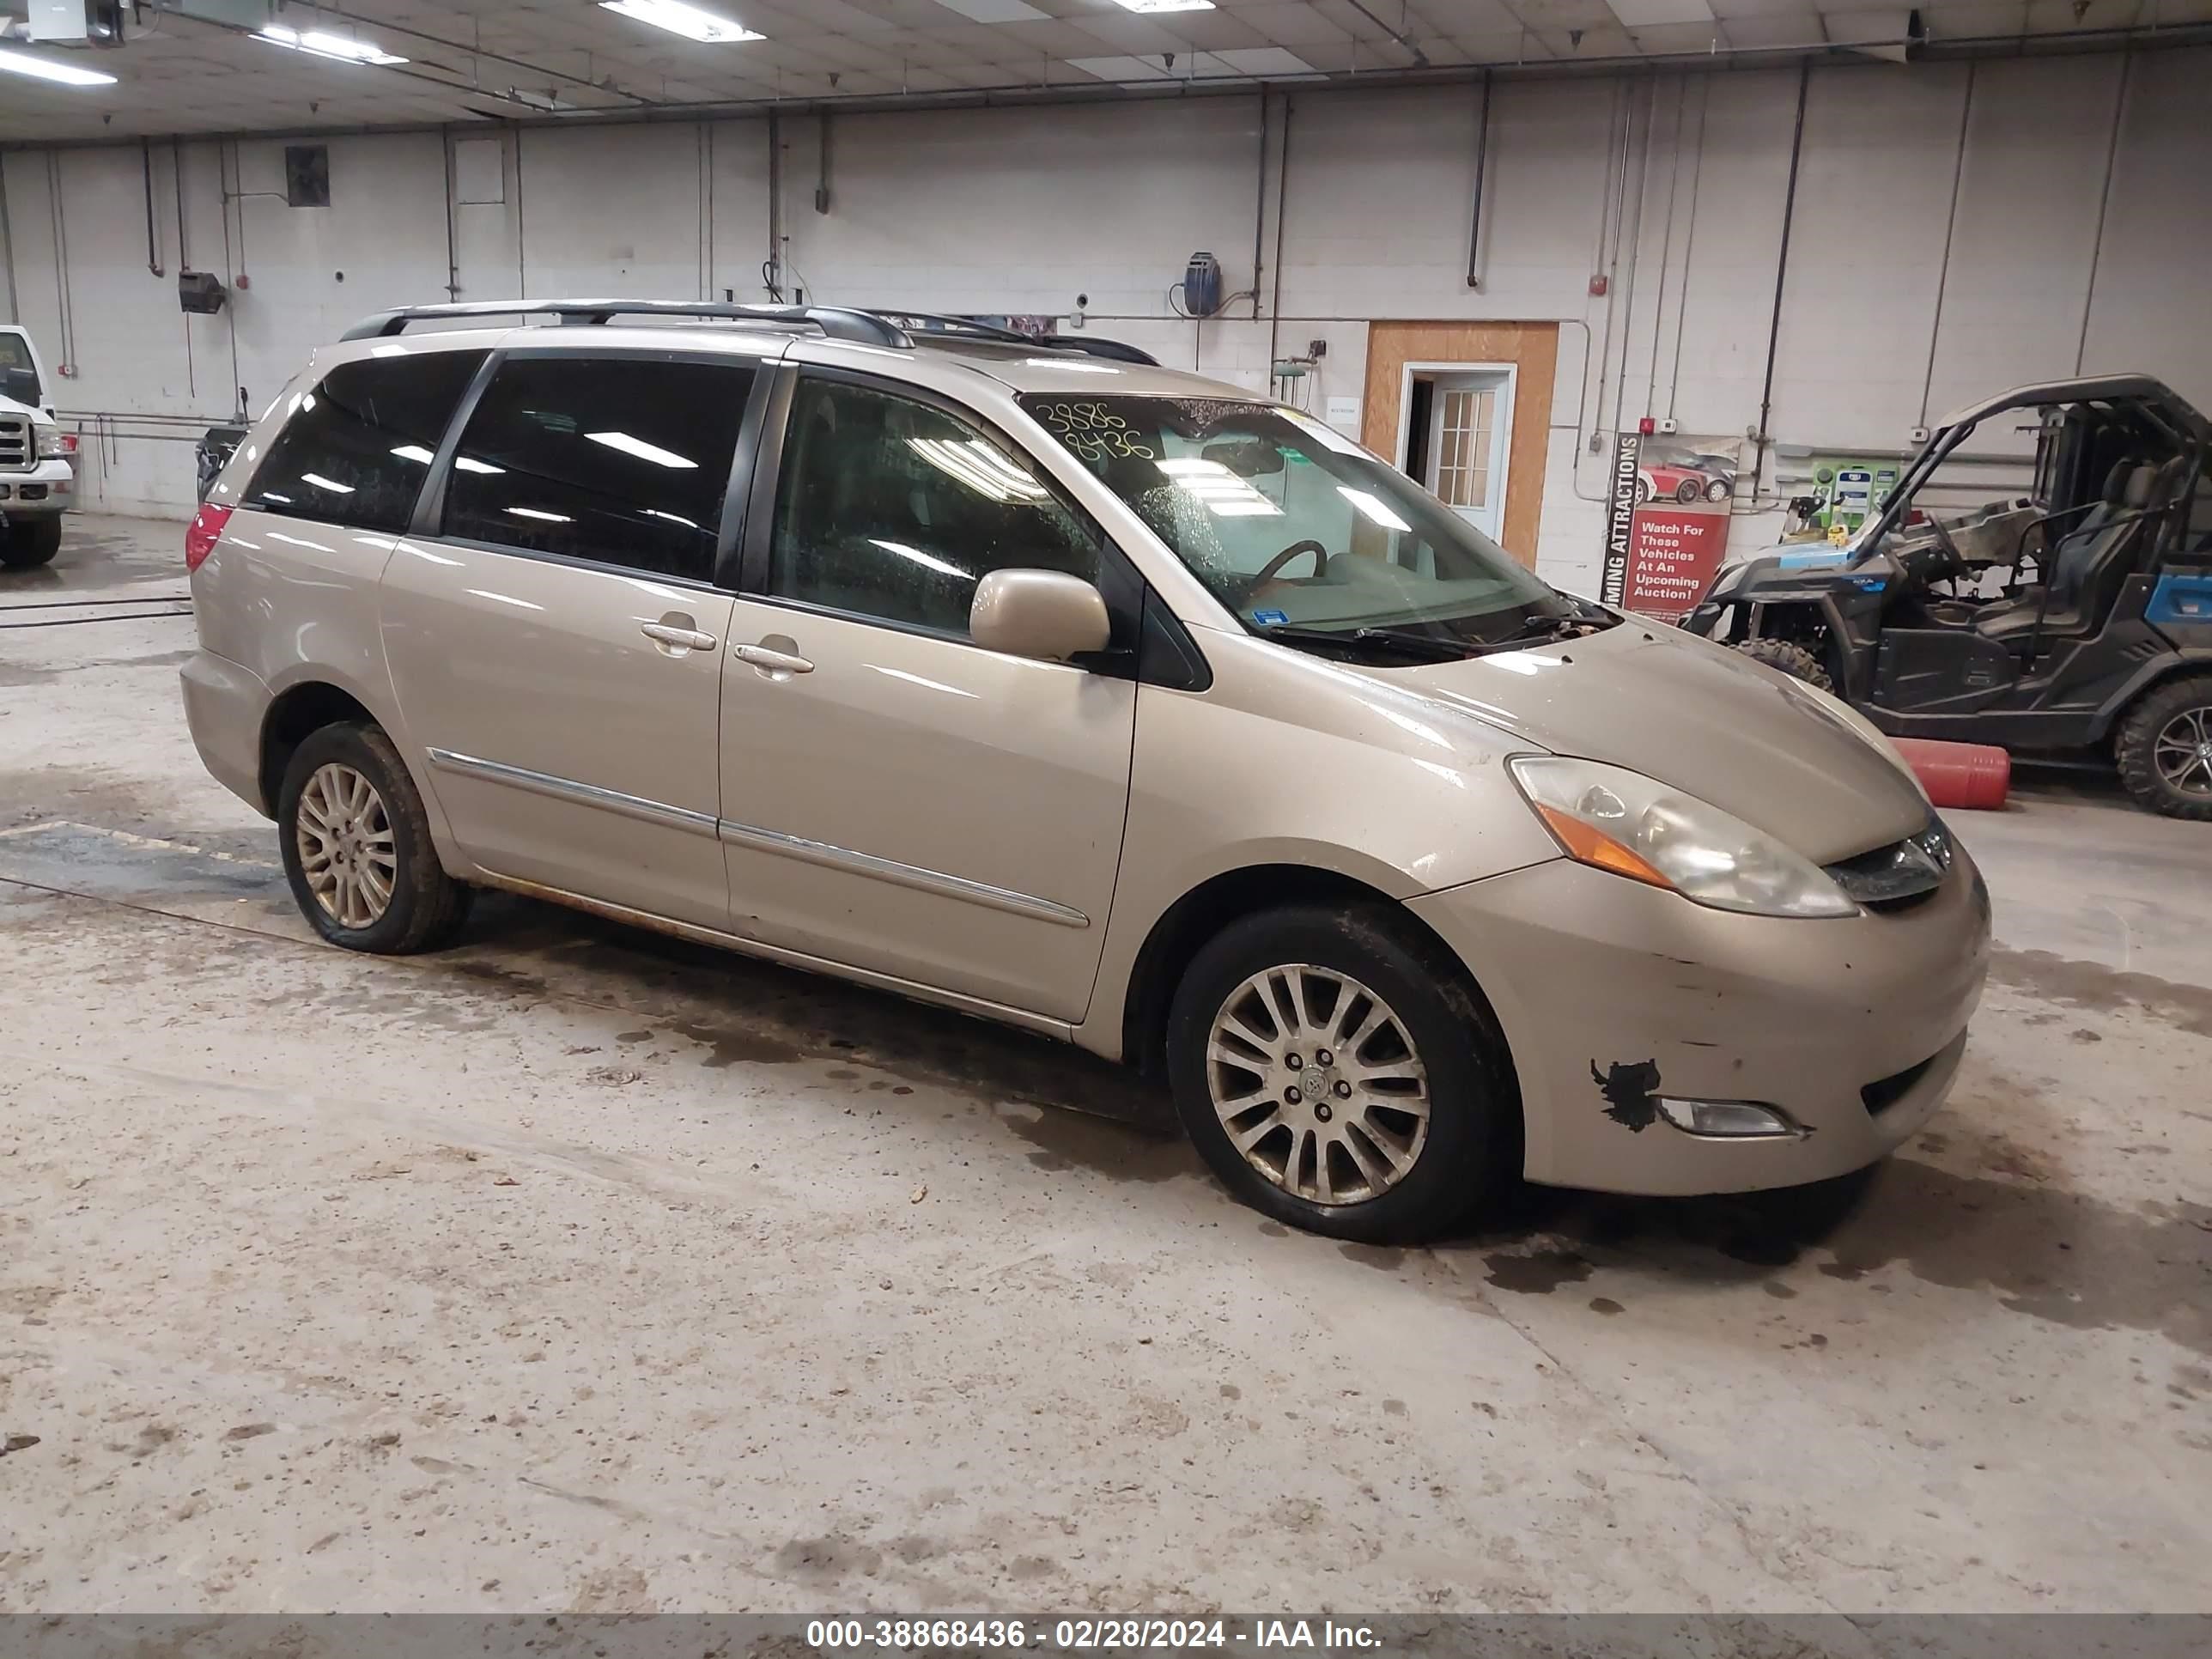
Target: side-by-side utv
{"points": [[2074, 619]]}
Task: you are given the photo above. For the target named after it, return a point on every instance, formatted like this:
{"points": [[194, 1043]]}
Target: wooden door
{"points": [[1531, 349]]}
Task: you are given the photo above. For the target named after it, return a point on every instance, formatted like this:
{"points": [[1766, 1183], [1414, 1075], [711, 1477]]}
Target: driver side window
{"points": [[893, 509]]}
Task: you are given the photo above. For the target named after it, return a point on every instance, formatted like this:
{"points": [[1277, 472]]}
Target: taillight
{"points": [[203, 532], [69, 443]]}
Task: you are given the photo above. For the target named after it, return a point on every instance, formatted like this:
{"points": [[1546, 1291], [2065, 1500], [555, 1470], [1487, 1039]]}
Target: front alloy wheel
{"points": [[1339, 1071], [1317, 1085], [346, 848]]}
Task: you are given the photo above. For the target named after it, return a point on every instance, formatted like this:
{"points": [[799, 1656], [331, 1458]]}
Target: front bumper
{"points": [[48, 489], [1611, 993]]}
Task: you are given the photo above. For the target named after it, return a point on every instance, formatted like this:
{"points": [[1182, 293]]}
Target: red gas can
{"points": [[1965, 774]]}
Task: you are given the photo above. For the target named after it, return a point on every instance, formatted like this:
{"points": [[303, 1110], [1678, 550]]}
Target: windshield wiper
{"points": [[1542, 629], [1429, 647]]}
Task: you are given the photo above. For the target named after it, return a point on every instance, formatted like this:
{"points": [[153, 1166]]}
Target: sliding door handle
{"points": [[683, 639], [770, 661]]}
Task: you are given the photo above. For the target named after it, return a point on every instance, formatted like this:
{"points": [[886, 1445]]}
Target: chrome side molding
{"points": [[588, 795], [904, 875]]}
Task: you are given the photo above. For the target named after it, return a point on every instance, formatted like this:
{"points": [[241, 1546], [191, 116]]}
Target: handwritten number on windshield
{"points": [[1095, 432]]}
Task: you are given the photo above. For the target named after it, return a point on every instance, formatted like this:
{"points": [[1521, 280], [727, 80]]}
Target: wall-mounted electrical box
{"points": [[201, 292]]}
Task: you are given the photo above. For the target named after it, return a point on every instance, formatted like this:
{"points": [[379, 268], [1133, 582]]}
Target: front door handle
{"points": [[677, 636], [770, 661]]}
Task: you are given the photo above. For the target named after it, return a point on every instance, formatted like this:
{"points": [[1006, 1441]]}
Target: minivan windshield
{"points": [[1304, 535]]}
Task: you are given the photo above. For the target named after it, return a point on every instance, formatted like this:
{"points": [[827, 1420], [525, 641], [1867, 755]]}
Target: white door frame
{"points": [[1509, 374]]}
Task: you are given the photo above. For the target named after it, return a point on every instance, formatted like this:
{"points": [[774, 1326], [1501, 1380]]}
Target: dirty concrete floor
{"points": [[574, 1269]]}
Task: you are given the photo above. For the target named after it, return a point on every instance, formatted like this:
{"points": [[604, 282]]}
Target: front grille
{"points": [[1885, 1092], [14, 444], [1899, 876]]}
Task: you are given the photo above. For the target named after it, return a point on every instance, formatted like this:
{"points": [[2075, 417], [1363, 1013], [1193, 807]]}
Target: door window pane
{"points": [[1465, 423], [357, 448], [622, 460], [891, 508]]}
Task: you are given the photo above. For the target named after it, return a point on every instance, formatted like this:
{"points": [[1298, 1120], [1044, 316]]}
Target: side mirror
{"points": [[1045, 614]]}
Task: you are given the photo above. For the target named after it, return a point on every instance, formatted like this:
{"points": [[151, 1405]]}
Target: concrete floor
{"points": [[574, 1269]]}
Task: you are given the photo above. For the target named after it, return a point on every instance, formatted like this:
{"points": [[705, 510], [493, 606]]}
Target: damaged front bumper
{"points": [[1628, 1008]]}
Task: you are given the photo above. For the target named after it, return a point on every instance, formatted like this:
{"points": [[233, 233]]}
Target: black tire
{"points": [[1719, 490], [2158, 712], [1643, 490], [1472, 1146], [1688, 490], [427, 906], [29, 543], [1794, 661]]}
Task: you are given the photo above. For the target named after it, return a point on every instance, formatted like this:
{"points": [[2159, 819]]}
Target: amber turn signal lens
{"points": [[1593, 847]]}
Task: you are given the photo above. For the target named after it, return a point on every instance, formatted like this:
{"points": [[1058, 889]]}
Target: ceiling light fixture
{"points": [[1166, 5], [319, 43], [690, 22], [45, 69]]}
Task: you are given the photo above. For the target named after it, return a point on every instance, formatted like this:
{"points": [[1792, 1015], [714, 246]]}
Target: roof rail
{"points": [[925, 323], [838, 324]]}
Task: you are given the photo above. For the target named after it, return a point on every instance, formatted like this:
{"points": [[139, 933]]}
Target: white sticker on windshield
{"points": [[1327, 436]]}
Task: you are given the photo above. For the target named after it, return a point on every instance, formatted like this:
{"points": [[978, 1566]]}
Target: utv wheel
{"points": [[357, 848], [1337, 1073], [1794, 661], [29, 543], [2164, 749]]}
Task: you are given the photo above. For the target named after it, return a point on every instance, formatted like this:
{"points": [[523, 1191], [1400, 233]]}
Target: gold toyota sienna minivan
{"points": [[1039, 682]]}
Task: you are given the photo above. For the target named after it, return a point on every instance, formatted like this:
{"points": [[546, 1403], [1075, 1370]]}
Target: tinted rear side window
{"points": [[358, 447], [620, 460]]}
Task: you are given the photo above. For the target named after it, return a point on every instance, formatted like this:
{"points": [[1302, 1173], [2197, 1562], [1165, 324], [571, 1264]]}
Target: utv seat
{"points": [[2089, 566]]}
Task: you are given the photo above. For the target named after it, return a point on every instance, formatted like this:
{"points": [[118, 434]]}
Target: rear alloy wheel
{"points": [[2164, 749], [1337, 1071], [357, 848], [1794, 661], [29, 543]]}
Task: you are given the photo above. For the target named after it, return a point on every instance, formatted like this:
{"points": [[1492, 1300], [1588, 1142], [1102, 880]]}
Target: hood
{"points": [[1708, 721], [9, 406]]}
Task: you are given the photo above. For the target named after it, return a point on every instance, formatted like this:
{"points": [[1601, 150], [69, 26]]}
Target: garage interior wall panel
{"points": [[2025, 237], [1019, 210], [2152, 307], [1866, 253]]}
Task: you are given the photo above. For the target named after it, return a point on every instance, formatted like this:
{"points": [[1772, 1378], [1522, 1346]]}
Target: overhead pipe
{"points": [[2103, 206], [1950, 234], [1260, 211], [1781, 275], [1689, 239], [1481, 166], [1025, 95], [146, 169], [1282, 200]]}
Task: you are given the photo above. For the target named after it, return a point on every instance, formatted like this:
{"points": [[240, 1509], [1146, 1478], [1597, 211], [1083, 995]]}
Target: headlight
{"points": [[1615, 820], [51, 447]]}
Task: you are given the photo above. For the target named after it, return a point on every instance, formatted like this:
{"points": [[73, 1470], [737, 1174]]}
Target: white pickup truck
{"points": [[38, 474]]}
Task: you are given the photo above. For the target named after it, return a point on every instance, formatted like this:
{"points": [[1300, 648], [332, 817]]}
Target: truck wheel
{"points": [[1339, 1072], [1794, 661], [30, 542], [2164, 748], [357, 850]]}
